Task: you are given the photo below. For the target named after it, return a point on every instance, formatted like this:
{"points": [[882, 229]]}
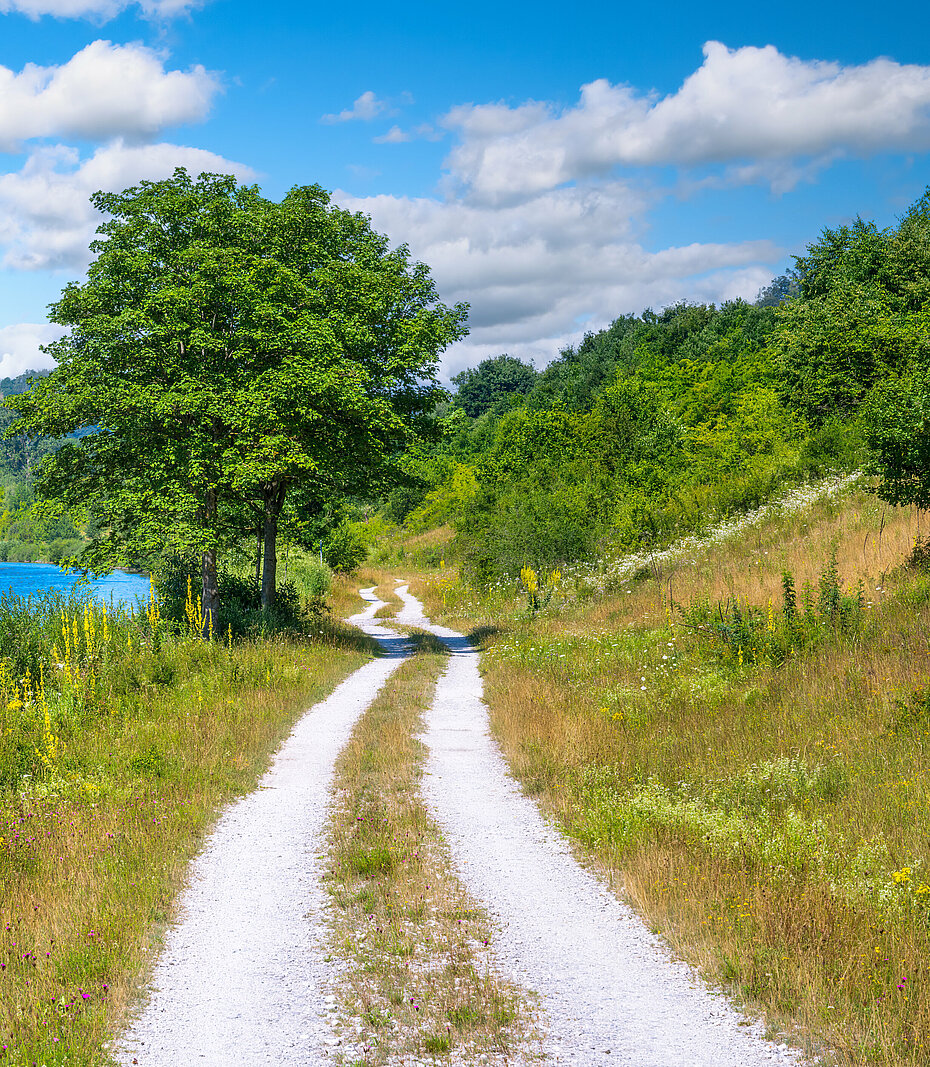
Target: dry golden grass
{"points": [[90, 864], [664, 758], [870, 538], [419, 980], [440, 535]]}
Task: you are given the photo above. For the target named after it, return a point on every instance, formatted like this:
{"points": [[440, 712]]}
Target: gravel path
{"points": [[241, 981], [611, 990]]}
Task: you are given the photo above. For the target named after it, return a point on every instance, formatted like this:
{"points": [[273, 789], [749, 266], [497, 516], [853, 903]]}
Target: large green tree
{"points": [[897, 420], [854, 343], [860, 314], [224, 350], [496, 384]]}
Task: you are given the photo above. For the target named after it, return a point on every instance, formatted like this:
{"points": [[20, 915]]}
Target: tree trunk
{"points": [[210, 592], [274, 501], [270, 563], [259, 533]]}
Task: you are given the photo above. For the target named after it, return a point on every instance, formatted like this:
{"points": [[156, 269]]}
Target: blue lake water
{"points": [[30, 578]]}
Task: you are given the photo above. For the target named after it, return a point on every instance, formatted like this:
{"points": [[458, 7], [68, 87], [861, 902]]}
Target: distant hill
{"points": [[21, 383], [18, 455]]}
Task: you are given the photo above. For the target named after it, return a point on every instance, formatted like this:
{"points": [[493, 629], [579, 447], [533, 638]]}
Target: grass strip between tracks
{"points": [[417, 976]]}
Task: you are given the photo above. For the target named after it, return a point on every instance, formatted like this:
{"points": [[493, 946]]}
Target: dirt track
{"points": [[243, 978]]}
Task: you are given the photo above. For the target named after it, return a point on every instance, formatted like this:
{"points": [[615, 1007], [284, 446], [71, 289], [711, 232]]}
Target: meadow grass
{"points": [[119, 743], [419, 980], [769, 818], [344, 597]]}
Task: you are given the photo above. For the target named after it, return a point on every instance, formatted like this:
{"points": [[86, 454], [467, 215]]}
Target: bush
{"points": [[23, 552], [241, 610], [346, 547], [64, 548], [403, 500]]}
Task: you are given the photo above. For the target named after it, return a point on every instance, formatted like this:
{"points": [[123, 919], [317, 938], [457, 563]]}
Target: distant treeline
{"points": [[19, 454], [26, 534], [665, 421]]}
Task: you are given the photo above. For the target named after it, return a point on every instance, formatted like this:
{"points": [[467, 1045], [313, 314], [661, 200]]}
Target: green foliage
{"points": [[896, 420], [860, 314], [493, 385], [666, 422], [346, 547], [782, 288], [317, 580], [31, 532], [451, 498], [241, 612], [29, 627], [19, 454], [227, 351], [533, 500], [656, 426]]}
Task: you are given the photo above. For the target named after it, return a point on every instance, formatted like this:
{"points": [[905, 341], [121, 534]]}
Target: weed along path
{"points": [[610, 991], [242, 978]]}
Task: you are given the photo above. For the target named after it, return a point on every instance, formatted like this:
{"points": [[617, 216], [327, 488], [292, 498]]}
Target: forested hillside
{"points": [[664, 422], [28, 535]]}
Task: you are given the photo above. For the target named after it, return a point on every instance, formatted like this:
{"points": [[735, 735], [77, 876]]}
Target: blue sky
{"points": [[556, 168]]}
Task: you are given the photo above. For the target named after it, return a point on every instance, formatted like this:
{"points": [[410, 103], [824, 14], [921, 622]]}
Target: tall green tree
{"points": [[859, 317], [897, 421], [224, 350], [494, 385]]}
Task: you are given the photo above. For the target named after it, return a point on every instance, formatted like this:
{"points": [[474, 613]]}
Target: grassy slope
{"points": [[771, 821]]}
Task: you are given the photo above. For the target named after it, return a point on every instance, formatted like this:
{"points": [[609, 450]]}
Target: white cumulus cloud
{"points": [[99, 10], [539, 273], [105, 90], [19, 347], [365, 108], [395, 135], [46, 219], [740, 104]]}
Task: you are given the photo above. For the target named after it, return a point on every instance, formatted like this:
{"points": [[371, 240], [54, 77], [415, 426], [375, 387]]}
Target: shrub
{"points": [[240, 612], [346, 547], [64, 548], [23, 552]]}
